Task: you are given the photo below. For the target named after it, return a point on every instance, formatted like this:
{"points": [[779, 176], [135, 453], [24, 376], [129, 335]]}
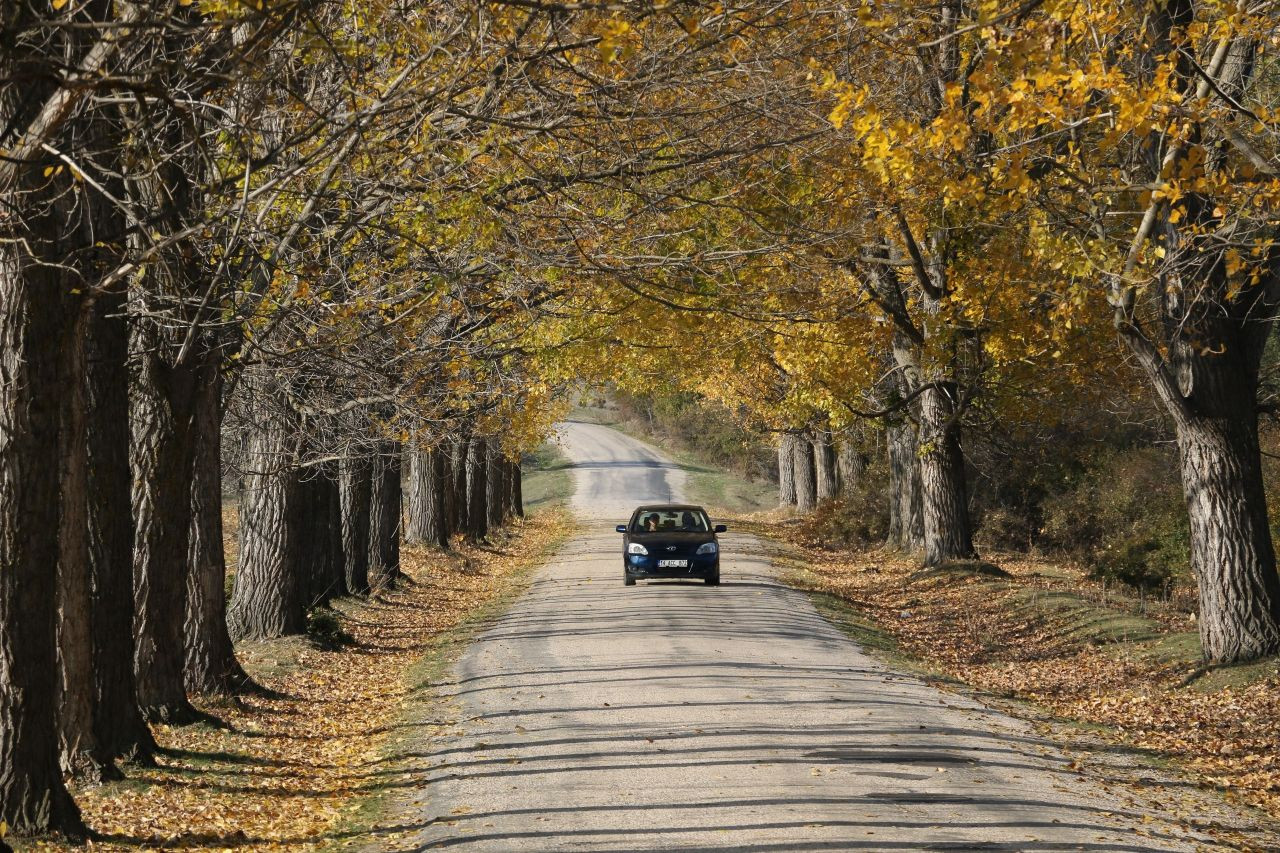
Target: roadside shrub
{"points": [[1124, 518], [859, 517]]}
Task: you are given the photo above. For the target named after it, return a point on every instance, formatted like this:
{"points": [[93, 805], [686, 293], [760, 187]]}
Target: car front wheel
{"points": [[713, 580], [627, 580]]}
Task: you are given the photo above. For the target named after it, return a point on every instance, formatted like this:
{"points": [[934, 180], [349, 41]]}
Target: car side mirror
{"points": [[621, 528], [720, 528]]}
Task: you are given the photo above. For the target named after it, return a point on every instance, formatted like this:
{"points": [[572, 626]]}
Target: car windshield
{"points": [[676, 520]]}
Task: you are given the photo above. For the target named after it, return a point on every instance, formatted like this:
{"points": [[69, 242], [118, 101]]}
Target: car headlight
{"points": [[637, 548], [707, 548]]}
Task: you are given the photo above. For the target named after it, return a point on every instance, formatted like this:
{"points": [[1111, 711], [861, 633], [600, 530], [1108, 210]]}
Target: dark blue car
{"points": [[670, 541]]}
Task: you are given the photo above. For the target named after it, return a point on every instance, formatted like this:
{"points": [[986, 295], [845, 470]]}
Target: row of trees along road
{"points": [[288, 245], [977, 211], [253, 248]]}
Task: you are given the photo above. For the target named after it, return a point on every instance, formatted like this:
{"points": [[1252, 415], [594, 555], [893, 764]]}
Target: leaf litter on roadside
{"points": [[288, 771]]}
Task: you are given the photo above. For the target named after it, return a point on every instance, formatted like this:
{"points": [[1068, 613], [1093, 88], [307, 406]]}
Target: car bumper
{"points": [[640, 566]]}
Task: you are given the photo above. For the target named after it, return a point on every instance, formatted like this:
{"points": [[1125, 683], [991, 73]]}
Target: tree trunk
{"points": [[33, 797], [211, 665], [384, 517], [356, 487], [852, 465], [421, 476], [805, 474], [824, 461], [459, 521], [320, 555], [1232, 553], [161, 410], [267, 601], [119, 727], [477, 489], [906, 510], [787, 469], [495, 514], [435, 525], [947, 531], [80, 755], [516, 489]]}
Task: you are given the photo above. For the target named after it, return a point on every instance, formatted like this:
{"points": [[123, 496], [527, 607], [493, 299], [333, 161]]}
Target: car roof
{"points": [[664, 507]]}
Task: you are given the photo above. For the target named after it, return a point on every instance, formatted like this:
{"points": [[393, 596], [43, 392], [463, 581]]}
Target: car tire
{"points": [[627, 580], [713, 580]]}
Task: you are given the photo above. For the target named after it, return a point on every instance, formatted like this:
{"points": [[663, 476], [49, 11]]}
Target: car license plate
{"points": [[673, 564]]}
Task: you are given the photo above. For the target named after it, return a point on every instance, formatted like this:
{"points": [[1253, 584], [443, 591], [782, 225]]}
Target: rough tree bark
{"points": [[515, 489], [852, 465], [495, 475], [267, 600], [476, 489], [356, 484], [33, 797], [384, 517], [120, 730], [161, 412], [79, 752], [948, 534], [805, 474], [428, 484], [459, 521], [906, 509], [211, 665], [321, 561], [787, 469], [824, 462]]}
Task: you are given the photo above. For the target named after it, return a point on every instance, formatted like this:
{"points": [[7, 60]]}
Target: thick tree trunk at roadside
{"points": [[787, 469], [211, 665], [852, 465], [515, 489], [1232, 553], [267, 601], [948, 534], [33, 797], [80, 756], [119, 727], [420, 479], [161, 411], [428, 485], [459, 523], [320, 552], [906, 510], [805, 474], [824, 462], [477, 469], [495, 477], [356, 486], [384, 517]]}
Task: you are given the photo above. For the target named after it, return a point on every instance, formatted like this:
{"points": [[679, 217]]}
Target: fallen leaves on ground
{"points": [[288, 771], [1050, 634]]}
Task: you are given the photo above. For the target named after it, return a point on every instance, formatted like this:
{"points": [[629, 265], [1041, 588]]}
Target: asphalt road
{"points": [[675, 716]]}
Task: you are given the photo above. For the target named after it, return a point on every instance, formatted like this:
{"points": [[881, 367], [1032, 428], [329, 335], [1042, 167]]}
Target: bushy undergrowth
{"points": [[1124, 518], [858, 518]]}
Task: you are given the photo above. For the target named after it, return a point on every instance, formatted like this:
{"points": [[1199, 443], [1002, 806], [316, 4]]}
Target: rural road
{"points": [[674, 716]]}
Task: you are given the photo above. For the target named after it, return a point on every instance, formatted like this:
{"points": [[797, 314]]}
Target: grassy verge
{"points": [[1126, 668], [298, 768], [547, 478], [723, 492]]}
